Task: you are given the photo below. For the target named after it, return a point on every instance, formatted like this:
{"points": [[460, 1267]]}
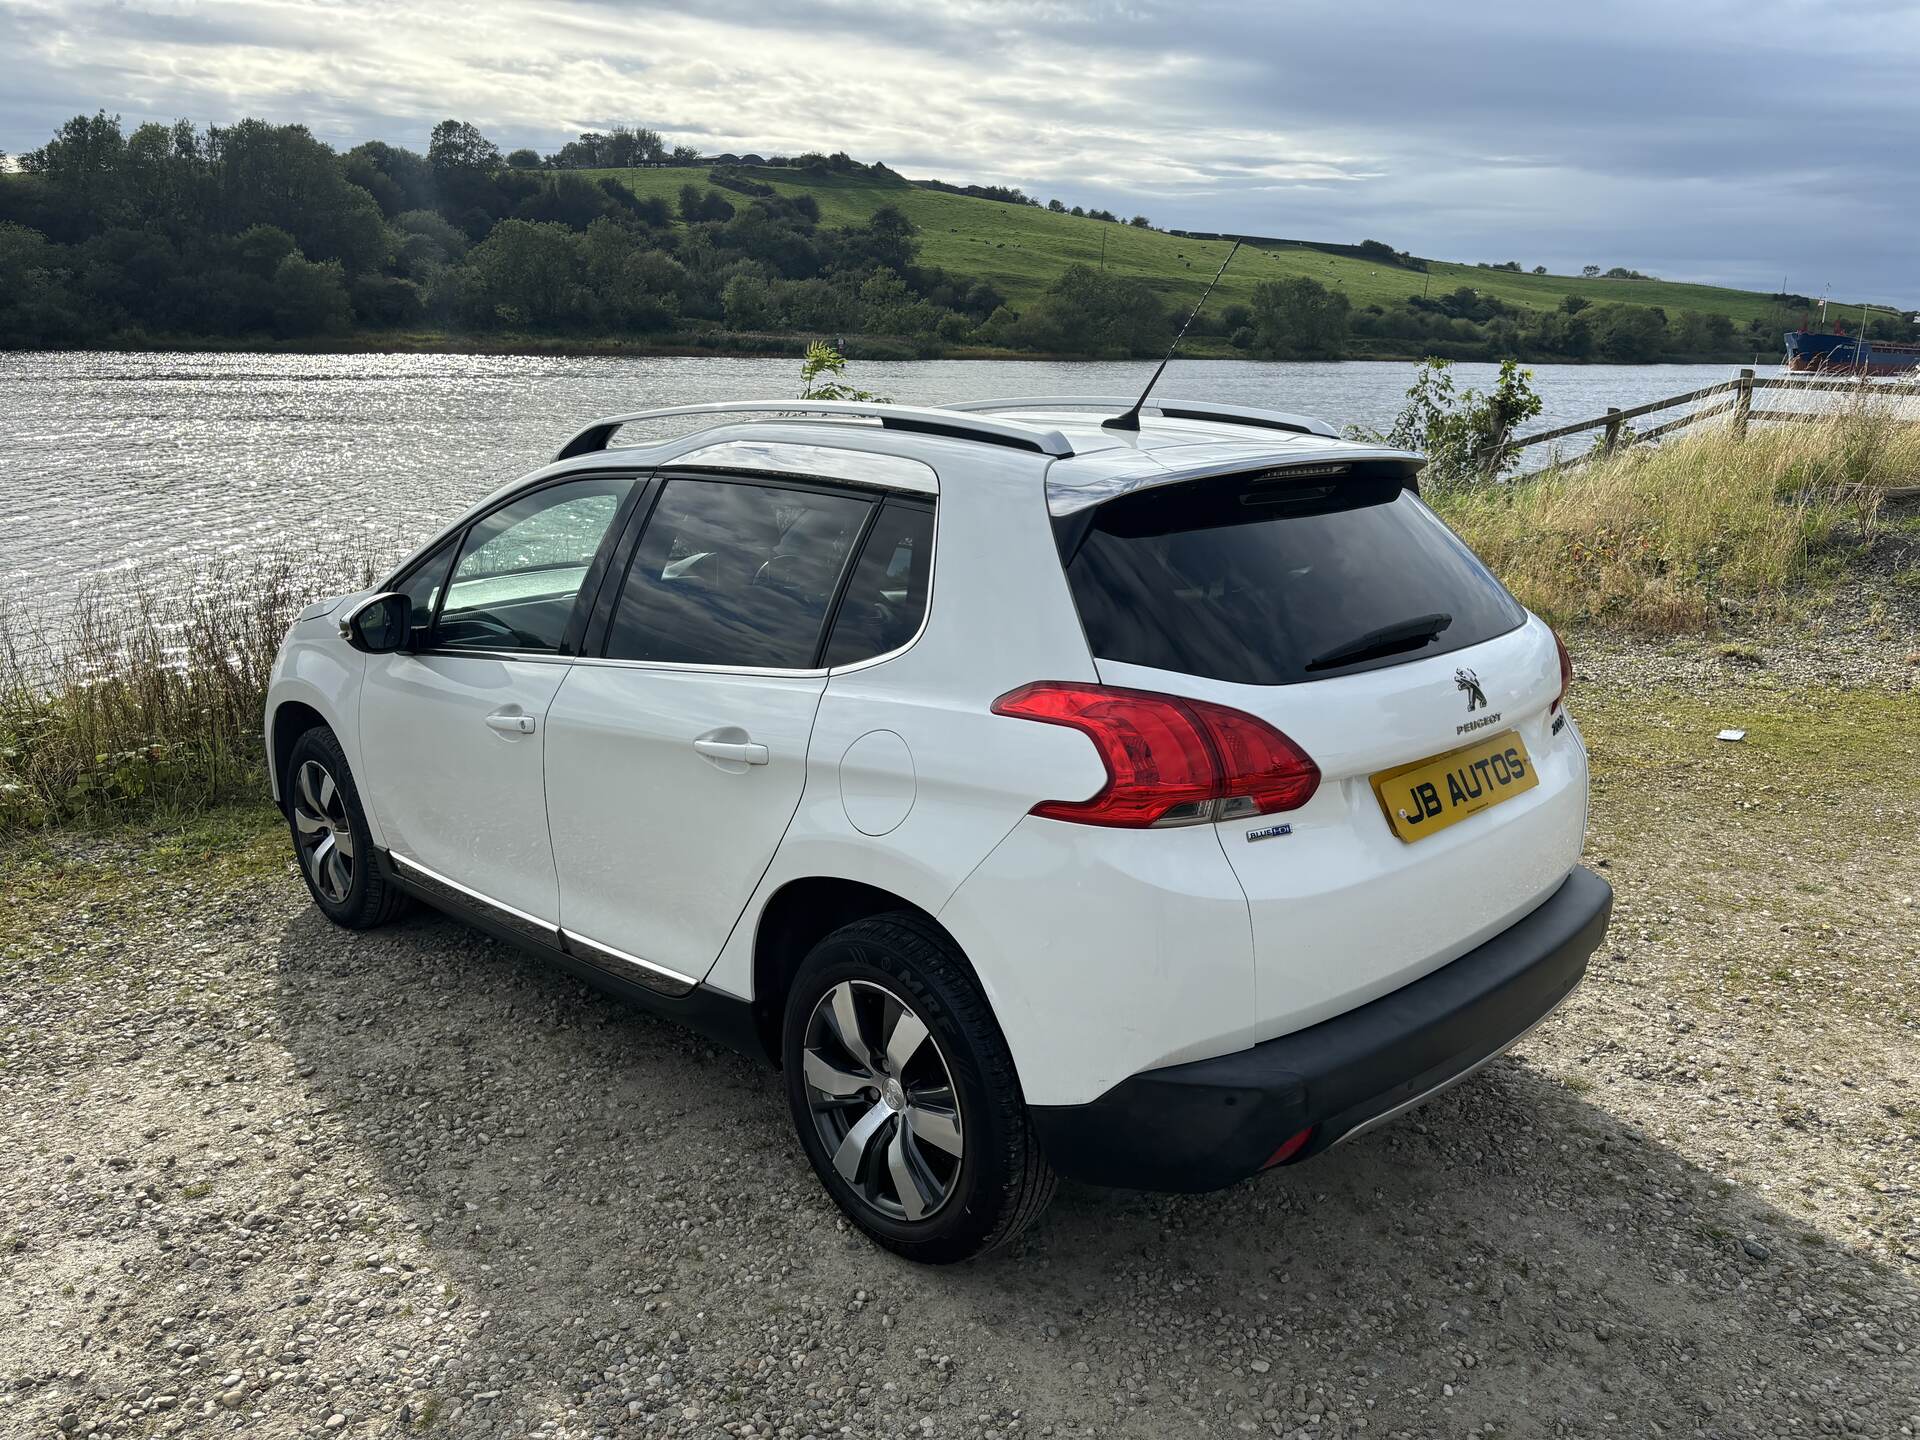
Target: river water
{"points": [[154, 466]]}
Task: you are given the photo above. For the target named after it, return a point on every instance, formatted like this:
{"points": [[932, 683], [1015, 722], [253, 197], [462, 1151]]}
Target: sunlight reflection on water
{"points": [[158, 464]]}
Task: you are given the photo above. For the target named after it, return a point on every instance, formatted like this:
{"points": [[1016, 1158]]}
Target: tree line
{"points": [[257, 231], [1303, 319]]}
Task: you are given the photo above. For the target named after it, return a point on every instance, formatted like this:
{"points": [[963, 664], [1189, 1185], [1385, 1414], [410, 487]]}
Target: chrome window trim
{"points": [[537, 657], [548, 657], [608, 662]]}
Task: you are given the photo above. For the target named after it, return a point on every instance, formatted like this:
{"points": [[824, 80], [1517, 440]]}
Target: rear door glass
{"points": [[1262, 583], [735, 575]]}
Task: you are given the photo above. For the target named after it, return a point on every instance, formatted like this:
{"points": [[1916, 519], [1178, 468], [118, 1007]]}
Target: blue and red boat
{"points": [[1850, 354]]}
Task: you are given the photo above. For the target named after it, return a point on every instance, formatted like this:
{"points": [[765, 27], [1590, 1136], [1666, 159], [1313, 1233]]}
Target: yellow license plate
{"points": [[1430, 795]]}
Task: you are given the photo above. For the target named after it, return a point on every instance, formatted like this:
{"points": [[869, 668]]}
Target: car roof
{"points": [[1083, 461], [1076, 460]]}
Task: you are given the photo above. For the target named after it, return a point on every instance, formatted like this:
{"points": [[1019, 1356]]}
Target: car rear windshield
{"points": [[1264, 581]]}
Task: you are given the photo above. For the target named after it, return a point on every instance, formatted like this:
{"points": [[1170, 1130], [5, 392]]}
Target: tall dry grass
{"points": [[146, 697], [1663, 540]]}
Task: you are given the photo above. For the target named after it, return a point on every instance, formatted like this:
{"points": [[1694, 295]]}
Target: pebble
{"points": [[315, 1229]]}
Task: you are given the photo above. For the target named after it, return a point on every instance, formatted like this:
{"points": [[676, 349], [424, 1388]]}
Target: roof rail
{"points": [[926, 421], [1172, 409]]}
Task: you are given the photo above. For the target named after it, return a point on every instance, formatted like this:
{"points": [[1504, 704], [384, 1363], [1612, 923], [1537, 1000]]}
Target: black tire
{"points": [[348, 887], [1001, 1181]]}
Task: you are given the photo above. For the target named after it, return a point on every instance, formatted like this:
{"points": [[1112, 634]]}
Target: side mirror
{"points": [[378, 625]]}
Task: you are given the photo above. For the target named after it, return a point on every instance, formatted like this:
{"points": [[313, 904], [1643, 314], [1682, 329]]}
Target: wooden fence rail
{"points": [[1739, 404]]}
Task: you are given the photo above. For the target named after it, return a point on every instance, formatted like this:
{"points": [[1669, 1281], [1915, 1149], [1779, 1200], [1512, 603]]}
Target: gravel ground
{"points": [[261, 1176]]}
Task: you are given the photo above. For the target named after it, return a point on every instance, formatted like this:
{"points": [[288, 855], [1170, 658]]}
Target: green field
{"points": [[1020, 248]]}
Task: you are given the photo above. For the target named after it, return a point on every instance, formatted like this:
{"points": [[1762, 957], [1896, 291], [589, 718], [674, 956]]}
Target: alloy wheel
{"points": [[324, 830], [882, 1100]]}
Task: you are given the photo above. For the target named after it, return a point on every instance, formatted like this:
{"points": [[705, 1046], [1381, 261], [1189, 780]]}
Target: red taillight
{"points": [[1566, 672], [1169, 761]]}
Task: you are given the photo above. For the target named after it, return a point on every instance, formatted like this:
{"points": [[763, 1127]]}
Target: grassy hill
{"points": [[1021, 248]]}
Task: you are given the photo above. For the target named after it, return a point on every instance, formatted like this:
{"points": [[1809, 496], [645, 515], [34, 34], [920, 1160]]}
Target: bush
{"points": [[386, 300], [1091, 312], [1299, 319], [749, 304], [309, 297], [1462, 435], [530, 272]]}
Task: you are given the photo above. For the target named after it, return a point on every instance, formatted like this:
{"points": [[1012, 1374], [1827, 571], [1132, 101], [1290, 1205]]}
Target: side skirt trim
{"points": [[644, 972], [632, 967], [726, 1019], [435, 887]]}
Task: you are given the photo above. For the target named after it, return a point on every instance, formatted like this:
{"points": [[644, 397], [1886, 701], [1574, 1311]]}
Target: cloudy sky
{"points": [[1742, 142]]}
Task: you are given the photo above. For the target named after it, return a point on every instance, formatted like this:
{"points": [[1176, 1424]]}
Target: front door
{"points": [[676, 758], [452, 734]]}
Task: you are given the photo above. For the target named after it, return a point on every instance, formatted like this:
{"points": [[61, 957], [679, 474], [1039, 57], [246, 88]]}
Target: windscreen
{"points": [[1265, 582]]}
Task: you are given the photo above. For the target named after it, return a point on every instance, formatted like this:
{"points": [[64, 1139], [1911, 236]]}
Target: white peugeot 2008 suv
{"points": [[1149, 802]]}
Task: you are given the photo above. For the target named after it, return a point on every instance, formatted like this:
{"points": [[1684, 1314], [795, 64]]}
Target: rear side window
{"points": [[1265, 583], [735, 575], [887, 596]]}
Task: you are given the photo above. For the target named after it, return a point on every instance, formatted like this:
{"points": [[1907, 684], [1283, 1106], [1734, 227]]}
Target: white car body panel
{"points": [[315, 669], [659, 846], [1107, 952], [1103, 952], [463, 799], [1344, 911], [975, 775]]}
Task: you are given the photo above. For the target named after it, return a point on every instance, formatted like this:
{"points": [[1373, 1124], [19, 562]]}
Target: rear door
{"points": [[453, 731], [677, 753], [1351, 619]]}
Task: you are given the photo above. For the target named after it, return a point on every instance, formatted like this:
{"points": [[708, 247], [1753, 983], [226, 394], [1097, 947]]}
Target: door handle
{"points": [[508, 723], [741, 752]]}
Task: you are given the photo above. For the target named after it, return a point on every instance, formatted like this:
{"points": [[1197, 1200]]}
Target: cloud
{"points": [[1736, 142]]}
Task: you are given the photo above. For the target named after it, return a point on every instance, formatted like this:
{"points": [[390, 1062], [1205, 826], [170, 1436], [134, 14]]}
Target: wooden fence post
{"points": [[1612, 442], [1742, 404]]}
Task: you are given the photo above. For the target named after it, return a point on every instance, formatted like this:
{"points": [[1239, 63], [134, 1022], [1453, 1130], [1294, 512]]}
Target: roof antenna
{"points": [[1131, 420]]}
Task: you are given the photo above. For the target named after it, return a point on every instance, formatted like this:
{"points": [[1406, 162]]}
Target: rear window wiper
{"points": [[1387, 640]]}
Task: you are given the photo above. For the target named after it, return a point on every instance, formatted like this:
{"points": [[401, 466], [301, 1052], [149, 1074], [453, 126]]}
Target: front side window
{"points": [[521, 568], [735, 575], [887, 595]]}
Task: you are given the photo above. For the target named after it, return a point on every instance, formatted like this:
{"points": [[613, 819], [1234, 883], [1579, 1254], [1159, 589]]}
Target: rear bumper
{"points": [[1209, 1123]]}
